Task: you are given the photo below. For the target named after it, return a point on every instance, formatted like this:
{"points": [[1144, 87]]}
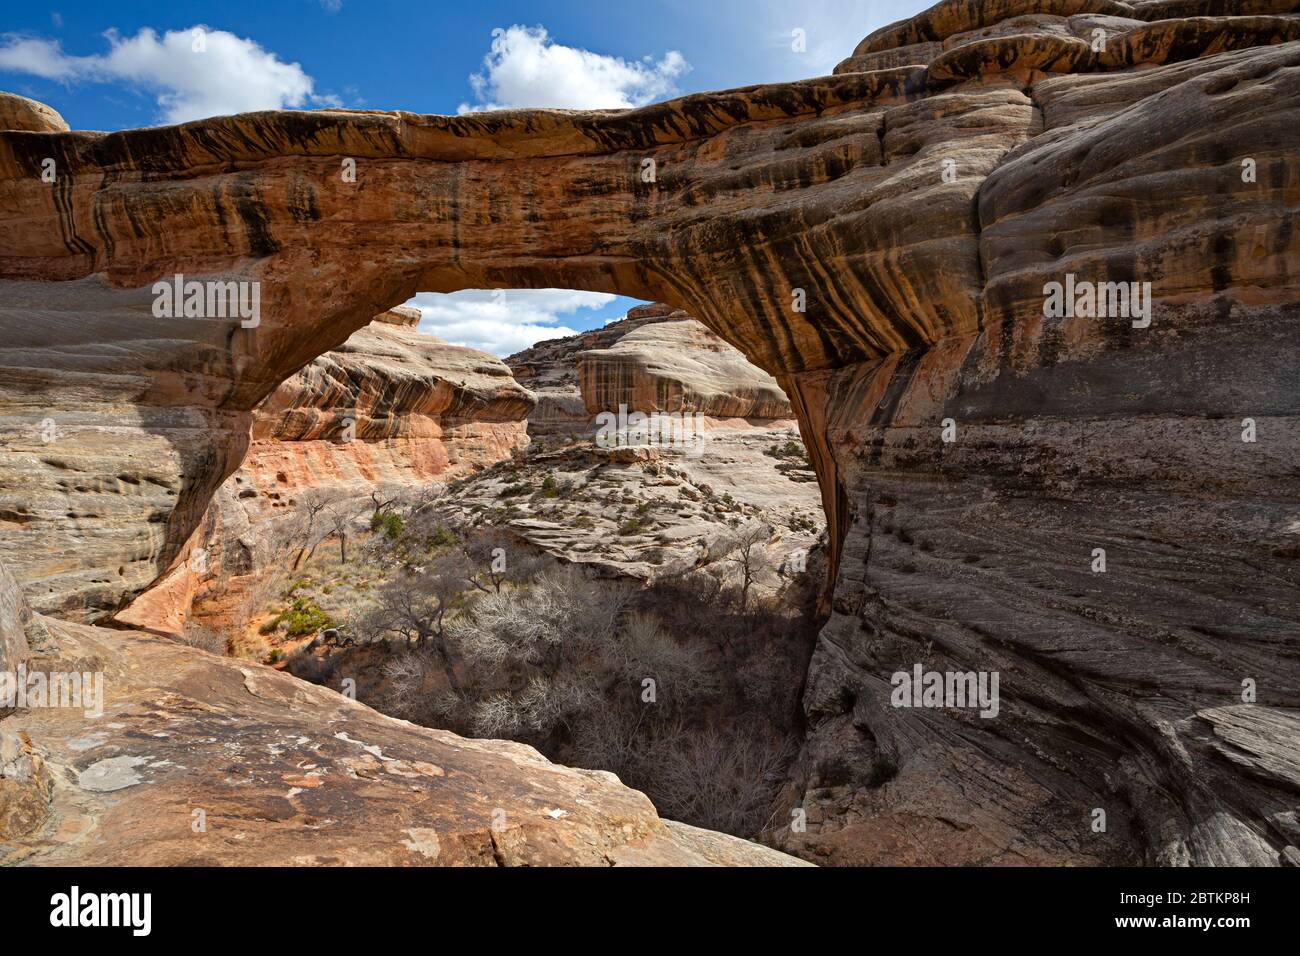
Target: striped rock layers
{"points": [[881, 241]]}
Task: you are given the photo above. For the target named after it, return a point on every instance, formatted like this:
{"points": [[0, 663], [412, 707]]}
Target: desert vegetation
{"points": [[678, 687], [686, 687]]}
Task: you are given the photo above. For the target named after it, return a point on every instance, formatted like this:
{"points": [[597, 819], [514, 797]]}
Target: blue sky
{"points": [[124, 64]]}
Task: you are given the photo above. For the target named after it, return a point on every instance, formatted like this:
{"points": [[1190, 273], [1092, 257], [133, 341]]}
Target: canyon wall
{"points": [[387, 412], [656, 358], [678, 366], [881, 241], [549, 370]]}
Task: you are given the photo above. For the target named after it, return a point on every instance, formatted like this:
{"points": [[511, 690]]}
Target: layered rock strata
{"points": [[549, 370], [678, 366], [975, 446], [388, 411]]}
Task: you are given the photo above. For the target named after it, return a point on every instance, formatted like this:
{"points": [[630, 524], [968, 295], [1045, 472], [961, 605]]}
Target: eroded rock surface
{"points": [[678, 366], [203, 760], [923, 206], [550, 370], [18, 112], [667, 507]]}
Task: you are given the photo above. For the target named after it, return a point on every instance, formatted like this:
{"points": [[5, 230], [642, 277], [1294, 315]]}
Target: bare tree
{"points": [[311, 508], [749, 554], [643, 649], [496, 559], [721, 781], [338, 522], [414, 606], [404, 681], [380, 504]]}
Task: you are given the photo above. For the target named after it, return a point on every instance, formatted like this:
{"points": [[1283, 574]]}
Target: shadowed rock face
{"points": [[921, 208]]}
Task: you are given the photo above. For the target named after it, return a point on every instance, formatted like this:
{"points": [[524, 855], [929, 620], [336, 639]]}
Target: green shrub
{"points": [[390, 523], [303, 616], [444, 537]]}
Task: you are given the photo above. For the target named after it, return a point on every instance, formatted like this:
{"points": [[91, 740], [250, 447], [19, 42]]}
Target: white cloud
{"points": [[503, 322], [192, 73], [526, 68], [752, 41], [831, 28]]}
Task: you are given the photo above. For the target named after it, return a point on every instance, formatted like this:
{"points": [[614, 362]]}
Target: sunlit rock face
{"points": [[882, 242], [678, 366], [388, 411], [389, 406], [655, 359], [549, 370]]}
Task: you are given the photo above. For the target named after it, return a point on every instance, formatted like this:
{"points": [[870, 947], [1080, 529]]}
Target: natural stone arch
{"points": [[926, 303], [522, 200]]}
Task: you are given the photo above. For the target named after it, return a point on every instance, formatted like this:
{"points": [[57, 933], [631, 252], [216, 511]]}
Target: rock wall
{"points": [[390, 406], [921, 202], [678, 366], [657, 358], [550, 370]]}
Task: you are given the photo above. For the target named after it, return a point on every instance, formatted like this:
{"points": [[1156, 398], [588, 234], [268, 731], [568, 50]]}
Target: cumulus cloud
{"points": [[526, 68], [192, 73], [503, 322]]}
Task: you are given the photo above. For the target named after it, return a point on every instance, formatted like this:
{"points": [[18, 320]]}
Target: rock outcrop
{"points": [[976, 447], [678, 366], [650, 511], [389, 407], [204, 760], [656, 359], [14, 618], [549, 370], [18, 112]]}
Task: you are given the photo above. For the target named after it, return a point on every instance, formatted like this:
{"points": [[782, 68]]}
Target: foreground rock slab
{"points": [[204, 760]]}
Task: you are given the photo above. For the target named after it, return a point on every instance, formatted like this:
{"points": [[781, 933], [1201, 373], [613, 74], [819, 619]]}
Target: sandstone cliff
{"points": [[678, 366], [550, 371], [657, 358], [922, 199]]}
